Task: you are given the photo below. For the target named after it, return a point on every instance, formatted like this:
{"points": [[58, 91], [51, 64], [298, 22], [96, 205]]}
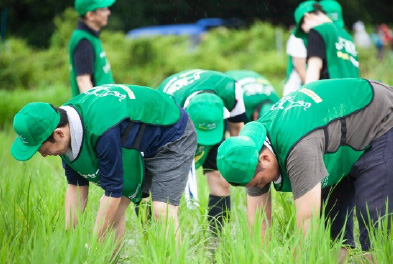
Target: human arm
{"points": [[306, 169], [84, 82], [313, 69], [298, 52], [316, 55], [75, 197], [84, 65], [262, 204], [75, 203], [108, 149], [308, 206], [105, 215], [300, 67]]}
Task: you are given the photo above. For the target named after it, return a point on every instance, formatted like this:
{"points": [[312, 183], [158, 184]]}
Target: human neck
{"points": [[92, 25]]}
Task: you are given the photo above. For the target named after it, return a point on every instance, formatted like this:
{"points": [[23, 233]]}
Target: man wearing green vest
{"points": [[89, 65], [209, 97], [258, 93], [331, 52], [128, 140], [308, 141]]}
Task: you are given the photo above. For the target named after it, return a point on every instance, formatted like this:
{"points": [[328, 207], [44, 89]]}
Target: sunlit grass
{"points": [[32, 227]]}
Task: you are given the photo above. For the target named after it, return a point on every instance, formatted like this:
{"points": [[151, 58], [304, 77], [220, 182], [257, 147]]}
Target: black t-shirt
{"points": [[84, 53], [316, 48]]}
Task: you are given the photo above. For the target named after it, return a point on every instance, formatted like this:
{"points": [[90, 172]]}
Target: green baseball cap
{"points": [[206, 111], [84, 6], [34, 123], [303, 8], [237, 157], [334, 11]]}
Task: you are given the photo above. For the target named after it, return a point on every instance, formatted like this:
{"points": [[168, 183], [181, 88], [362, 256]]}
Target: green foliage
{"points": [[12, 101], [32, 226], [64, 25], [17, 65]]}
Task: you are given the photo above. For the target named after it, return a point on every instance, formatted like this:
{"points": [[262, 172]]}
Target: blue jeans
{"points": [[369, 186]]}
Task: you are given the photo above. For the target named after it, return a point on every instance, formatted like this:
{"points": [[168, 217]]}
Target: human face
{"points": [[100, 17], [59, 147], [267, 169]]}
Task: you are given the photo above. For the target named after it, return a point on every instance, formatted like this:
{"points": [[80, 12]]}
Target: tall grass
{"points": [[32, 227]]}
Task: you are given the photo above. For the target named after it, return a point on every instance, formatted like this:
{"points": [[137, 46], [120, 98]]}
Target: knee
{"points": [[164, 210]]}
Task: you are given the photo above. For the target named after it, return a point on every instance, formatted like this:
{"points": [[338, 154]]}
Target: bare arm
{"points": [[75, 202], [106, 213], [263, 204], [300, 67], [313, 69], [234, 128], [84, 82], [308, 206]]}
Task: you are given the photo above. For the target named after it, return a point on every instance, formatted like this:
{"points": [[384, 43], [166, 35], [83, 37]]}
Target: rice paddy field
{"points": [[32, 227], [32, 193]]}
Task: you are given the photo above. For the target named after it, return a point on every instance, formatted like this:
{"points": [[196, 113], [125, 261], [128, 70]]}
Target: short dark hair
{"points": [[317, 9], [63, 122]]}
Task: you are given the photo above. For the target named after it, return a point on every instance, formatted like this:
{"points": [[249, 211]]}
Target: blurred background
{"points": [[218, 35]]}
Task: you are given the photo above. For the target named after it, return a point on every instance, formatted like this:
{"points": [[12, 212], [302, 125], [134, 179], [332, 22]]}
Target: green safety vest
{"points": [[341, 54], [102, 68], [313, 107], [257, 90], [185, 83], [102, 108], [201, 154]]}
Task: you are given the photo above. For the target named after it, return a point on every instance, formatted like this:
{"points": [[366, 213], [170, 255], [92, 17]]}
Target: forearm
{"points": [[106, 213], [84, 82], [75, 203], [314, 68], [307, 207], [260, 204], [300, 67]]}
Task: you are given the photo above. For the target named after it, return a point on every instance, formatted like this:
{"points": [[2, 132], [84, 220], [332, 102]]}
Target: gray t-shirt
{"points": [[305, 164]]}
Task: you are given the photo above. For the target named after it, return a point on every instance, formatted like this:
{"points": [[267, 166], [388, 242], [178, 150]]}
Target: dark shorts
{"points": [[210, 163], [368, 187], [167, 171]]}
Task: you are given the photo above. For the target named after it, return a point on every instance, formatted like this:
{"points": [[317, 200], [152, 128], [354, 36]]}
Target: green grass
{"points": [[32, 227]]}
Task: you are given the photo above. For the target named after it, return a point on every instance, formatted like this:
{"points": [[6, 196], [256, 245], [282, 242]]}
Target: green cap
{"points": [[334, 11], [34, 123], [237, 157], [84, 6], [206, 111], [303, 8]]}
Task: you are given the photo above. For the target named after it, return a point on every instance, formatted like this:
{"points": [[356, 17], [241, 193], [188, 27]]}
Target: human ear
{"points": [[59, 133]]}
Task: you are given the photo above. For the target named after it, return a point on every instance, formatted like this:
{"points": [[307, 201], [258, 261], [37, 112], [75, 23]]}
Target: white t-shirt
{"points": [[297, 49]]}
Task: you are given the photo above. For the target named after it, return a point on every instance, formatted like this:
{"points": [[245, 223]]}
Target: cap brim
{"points": [[211, 137], [105, 3], [22, 152]]}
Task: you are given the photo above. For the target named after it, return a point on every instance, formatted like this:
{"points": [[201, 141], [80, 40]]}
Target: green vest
{"points": [[103, 107], [290, 68], [313, 107], [185, 83], [257, 90], [341, 54], [201, 154], [102, 68]]}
